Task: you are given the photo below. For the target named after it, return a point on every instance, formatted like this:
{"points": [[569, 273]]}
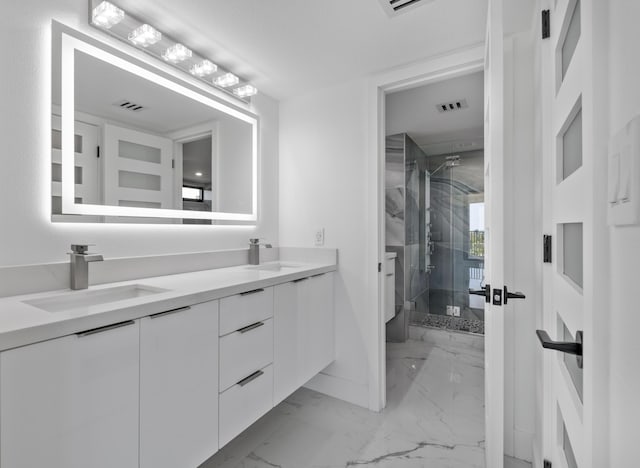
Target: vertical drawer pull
{"points": [[250, 379], [94, 331], [255, 291], [168, 312], [248, 328]]}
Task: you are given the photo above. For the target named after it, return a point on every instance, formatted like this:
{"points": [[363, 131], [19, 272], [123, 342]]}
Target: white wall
{"points": [[27, 235], [624, 312], [323, 183]]}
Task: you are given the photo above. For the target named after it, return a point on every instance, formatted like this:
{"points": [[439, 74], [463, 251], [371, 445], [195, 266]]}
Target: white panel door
{"points": [[179, 387], [87, 168], [72, 402], [570, 217], [494, 130], [137, 169]]}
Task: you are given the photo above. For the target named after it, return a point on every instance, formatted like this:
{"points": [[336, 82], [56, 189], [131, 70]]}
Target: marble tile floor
{"points": [[434, 416]]}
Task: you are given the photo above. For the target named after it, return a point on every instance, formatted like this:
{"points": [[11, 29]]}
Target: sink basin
{"points": [[274, 266], [88, 298]]}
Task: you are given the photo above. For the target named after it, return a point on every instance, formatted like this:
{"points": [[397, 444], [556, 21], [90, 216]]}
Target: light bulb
{"points": [[106, 15], [245, 91], [145, 36], [204, 68], [177, 53], [226, 80]]}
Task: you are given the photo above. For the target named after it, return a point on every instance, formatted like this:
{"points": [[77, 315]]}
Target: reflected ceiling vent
{"points": [[129, 105], [452, 106], [396, 7]]}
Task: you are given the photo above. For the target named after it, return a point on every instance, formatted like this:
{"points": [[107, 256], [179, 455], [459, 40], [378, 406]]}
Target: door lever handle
{"points": [[510, 295], [483, 291], [568, 347]]}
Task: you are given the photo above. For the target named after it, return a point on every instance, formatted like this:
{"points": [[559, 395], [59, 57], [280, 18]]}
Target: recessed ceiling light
{"points": [[106, 15], [198, 174], [226, 80], [145, 36]]}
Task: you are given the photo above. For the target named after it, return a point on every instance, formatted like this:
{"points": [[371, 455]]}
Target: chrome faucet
{"points": [[254, 251], [80, 260]]}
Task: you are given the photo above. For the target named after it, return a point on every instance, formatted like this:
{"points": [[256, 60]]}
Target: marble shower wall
{"points": [[406, 218]]}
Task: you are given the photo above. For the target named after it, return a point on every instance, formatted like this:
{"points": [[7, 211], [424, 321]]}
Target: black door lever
{"points": [[509, 295], [563, 346], [483, 291]]}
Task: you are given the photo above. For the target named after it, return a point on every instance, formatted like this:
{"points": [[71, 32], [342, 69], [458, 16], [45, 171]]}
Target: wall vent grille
{"points": [[126, 104], [456, 105], [396, 7]]}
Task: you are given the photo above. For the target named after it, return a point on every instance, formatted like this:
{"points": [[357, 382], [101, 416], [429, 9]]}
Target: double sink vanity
{"points": [[159, 372]]}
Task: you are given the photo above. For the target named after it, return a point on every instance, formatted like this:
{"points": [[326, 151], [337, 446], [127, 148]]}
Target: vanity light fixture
{"points": [[227, 80], [110, 18], [145, 36], [204, 68], [106, 15], [177, 53], [245, 91]]}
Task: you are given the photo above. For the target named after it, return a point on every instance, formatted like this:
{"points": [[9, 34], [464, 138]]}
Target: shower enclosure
{"points": [[435, 224]]}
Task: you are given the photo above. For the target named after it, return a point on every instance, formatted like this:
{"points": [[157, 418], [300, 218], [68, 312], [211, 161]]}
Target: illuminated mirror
{"points": [[133, 144]]}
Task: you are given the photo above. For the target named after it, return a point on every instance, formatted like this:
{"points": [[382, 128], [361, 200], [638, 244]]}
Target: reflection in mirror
{"points": [[147, 152]]}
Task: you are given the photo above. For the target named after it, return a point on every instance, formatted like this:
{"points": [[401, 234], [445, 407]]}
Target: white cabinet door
{"points": [[304, 335], [72, 402], [288, 338], [179, 387], [317, 298]]}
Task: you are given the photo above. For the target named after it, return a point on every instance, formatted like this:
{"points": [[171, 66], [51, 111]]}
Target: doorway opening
{"points": [[434, 205]]}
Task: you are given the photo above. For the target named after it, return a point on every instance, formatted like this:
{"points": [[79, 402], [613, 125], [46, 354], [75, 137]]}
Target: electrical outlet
{"points": [[456, 311], [449, 310], [319, 238]]}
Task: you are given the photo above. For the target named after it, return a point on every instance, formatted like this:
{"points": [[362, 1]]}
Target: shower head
{"points": [[450, 161]]}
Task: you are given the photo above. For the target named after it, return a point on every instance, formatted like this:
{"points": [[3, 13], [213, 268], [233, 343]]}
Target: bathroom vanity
{"points": [[164, 375]]}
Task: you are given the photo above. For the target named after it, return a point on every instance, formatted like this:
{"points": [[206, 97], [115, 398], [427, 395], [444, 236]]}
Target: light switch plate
{"points": [[319, 238], [623, 191]]}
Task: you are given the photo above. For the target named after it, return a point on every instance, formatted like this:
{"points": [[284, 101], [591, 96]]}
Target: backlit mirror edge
{"points": [[68, 45]]}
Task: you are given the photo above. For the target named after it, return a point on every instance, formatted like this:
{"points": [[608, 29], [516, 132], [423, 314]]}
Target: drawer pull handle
{"points": [[255, 291], [390, 274], [248, 328], [169, 312], [251, 378], [300, 279], [95, 331]]}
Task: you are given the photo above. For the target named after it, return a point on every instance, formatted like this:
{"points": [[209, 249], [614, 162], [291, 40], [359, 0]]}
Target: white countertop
{"points": [[22, 324]]}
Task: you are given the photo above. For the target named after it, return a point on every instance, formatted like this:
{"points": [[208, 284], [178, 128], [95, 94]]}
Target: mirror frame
{"points": [[69, 44]]}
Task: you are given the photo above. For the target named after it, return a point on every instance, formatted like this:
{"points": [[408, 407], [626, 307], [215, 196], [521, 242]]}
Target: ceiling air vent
{"points": [[129, 105], [452, 106], [395, 7]]}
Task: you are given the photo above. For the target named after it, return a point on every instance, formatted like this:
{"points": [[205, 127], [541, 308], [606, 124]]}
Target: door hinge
{"points": [[546, 24], [379, 267], [547, 464], [546, 249]]}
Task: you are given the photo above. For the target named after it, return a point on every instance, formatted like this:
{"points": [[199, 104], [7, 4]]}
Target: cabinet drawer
{"points": [[244, 403], [244, 309], [245, 351]]}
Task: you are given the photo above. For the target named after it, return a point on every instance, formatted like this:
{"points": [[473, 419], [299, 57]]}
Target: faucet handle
{"points": [[80, 248]]}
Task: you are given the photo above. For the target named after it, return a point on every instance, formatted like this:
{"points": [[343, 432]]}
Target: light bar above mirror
{"points": [[115, 21]]}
